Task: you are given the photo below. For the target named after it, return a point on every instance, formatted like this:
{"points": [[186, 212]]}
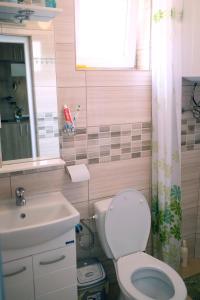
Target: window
{"points": [[105, 33]]}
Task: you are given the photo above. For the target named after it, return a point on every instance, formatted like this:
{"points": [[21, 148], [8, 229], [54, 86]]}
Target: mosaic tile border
{"points": [[190, 134], [47, 125], [94, 145]]}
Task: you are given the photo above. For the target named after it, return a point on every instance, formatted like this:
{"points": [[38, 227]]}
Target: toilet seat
{"points": [[127, 266], [124, 238]]}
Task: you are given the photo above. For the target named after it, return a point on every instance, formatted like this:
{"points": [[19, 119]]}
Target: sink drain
{"points": [[23, 216]]}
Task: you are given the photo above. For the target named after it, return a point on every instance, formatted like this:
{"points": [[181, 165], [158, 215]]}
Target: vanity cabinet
{"points": [[54, 271], [48, 275], [18, 279], [191, 38]]}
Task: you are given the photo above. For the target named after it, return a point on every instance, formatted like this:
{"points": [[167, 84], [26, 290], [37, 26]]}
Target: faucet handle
{"points": [[19, 191]]}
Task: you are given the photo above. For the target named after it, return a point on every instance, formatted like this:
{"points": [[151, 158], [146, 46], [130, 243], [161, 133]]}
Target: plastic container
{"points": [[67, 114], [92, 282]]}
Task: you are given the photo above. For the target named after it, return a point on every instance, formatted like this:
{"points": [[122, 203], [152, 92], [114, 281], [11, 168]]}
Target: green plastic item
{"points": [[50, 3]]}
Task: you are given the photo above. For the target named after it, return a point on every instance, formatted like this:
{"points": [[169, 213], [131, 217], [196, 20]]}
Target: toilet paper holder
{"points": [[78, 173]]}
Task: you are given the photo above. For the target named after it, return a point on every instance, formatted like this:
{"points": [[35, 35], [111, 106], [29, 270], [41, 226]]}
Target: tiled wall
{"points": [[190, 171], [113, 134], [113, 129]]}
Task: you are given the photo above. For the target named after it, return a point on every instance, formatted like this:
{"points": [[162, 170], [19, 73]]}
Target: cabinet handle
{"points": [[15, 273], [44, 263]]}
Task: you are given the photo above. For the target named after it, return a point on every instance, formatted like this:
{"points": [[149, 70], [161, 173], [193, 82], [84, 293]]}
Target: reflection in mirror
{"points": [[17, 122]]}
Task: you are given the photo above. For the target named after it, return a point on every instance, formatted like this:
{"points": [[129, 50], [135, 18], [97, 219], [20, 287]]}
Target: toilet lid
{"points": [[127, 223]]}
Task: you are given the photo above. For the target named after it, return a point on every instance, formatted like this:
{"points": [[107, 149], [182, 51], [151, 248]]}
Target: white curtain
{"points": [[166, 118]]}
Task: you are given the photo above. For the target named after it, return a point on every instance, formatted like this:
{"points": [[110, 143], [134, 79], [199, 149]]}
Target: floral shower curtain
{"points": [[166, 119]]}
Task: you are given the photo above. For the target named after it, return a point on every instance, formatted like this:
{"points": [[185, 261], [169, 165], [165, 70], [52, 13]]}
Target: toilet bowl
{"points": [[123, 226]]}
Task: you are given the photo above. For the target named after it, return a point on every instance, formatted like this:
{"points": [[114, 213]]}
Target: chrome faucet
{"points": [[19, 194]]}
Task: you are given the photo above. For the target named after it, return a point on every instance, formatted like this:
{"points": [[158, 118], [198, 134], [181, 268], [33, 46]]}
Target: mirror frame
{"points": [[25, 42]]}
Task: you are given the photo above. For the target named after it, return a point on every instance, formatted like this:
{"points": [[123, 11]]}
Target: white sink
{"points": [[43, 218]]}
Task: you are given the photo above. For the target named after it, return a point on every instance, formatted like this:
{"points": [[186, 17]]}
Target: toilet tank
{"points": [[100, 209]]}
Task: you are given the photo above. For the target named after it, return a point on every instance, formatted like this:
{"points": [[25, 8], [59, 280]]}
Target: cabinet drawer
{"points": [[55, 281], [51, 261], [18, 279], [63, 294]]}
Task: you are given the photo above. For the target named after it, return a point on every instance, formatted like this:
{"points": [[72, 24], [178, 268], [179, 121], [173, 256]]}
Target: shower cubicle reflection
{"points": [[1, 280]]}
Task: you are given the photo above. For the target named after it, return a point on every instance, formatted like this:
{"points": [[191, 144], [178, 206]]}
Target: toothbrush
{"points": [[77, 113]]}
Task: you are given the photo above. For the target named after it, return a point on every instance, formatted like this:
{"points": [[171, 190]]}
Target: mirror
{"points": [[21, 126], [14, 106]]}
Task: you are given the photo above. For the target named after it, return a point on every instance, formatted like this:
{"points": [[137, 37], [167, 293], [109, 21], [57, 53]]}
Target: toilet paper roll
{"points": [[78, 173]]}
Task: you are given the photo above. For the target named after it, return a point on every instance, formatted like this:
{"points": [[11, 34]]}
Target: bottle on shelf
{"points": [[50, 3], [184, 254]]}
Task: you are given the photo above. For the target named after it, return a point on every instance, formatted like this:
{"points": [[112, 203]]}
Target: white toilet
{"points": [[123, 225]]}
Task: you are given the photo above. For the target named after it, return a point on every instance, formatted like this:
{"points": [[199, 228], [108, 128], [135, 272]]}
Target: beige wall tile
{"points": [[37, 183], [189, 221], [197, 246], [72, 97], [64, 22], [49, 147], [191, 245], [118, 78], [67, 76], [45, 182], [46, 99], [190, 194], [198, 221], [82, 209], [118, 105], [76, 192], [110, 178], [44, 73], [43, 44], [189, 173], [5, 188], [190, 159]]}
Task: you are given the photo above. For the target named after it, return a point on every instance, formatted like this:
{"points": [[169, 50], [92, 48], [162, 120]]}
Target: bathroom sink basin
{"points": [[43, 218]]}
